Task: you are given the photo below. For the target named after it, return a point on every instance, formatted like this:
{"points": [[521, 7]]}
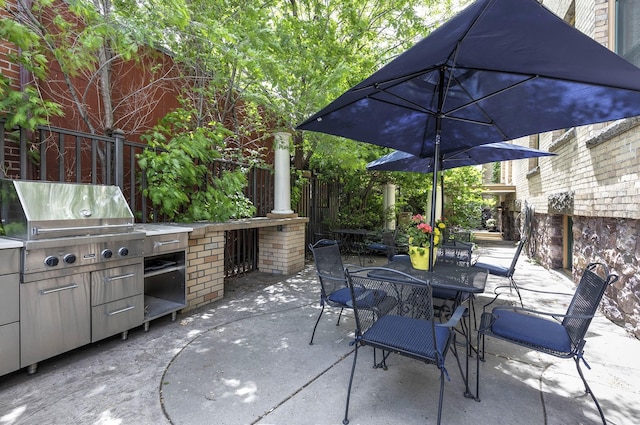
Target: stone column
{"points": [[389, 202], [282, 189]]}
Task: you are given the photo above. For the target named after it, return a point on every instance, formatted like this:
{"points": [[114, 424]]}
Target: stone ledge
{"points": [[247, 223], [613, 130]]}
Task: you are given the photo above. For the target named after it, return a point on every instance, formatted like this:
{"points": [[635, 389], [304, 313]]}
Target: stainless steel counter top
{"points": [[9, 243], [161, 229]]}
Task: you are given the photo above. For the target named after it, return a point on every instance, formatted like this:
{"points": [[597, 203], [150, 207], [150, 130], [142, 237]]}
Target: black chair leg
{"points": [[345, 421], [316, 325], [515, 286], [479, 356], [588, 390], [441, 396], [339, 316]]}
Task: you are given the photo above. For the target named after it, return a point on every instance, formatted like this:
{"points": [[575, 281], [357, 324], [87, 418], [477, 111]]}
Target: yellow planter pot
{"points": [[420, 257]]}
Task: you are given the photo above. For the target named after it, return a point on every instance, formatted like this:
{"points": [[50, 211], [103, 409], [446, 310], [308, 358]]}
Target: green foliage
{"points": [[177, 164], [299, 181], [463, 197], [25, 108]]}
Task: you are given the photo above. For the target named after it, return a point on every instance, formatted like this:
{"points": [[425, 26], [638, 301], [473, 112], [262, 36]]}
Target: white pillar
{"points": [[389, 202], [438, 204], [282, 190]]}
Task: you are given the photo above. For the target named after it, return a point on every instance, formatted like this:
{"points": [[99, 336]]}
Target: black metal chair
{"points": [[539, 331], [507, 272], [388, 246], [455, 252], [331, 274], [405, 326]]}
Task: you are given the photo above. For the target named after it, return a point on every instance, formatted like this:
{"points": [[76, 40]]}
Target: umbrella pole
{"points": [[434, 198], [436, 165]]}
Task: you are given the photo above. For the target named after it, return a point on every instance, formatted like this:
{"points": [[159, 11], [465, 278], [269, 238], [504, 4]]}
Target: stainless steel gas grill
{"points": [[81, 265]]}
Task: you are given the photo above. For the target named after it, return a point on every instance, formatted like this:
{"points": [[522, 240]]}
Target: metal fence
{"points": [[62, 155]]}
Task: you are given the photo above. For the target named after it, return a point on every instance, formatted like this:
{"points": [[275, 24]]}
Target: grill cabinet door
{"points": [[54, 317]]}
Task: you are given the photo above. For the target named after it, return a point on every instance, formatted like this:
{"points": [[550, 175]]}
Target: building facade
{"points": [[586, 199]]}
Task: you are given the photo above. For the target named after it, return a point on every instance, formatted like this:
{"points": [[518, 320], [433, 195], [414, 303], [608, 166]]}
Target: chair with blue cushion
{"points": [[507, 272], [331, 274], [405, 326], [388, 246], [557, 334]]}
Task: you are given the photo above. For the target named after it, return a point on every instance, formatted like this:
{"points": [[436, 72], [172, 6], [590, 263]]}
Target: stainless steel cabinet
{"points": [[116, 301], [54, 317], [9, 310], [164, 275]]}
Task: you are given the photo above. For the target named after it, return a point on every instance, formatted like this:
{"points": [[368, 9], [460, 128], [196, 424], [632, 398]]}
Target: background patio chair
{"points": [[331, 275], [507, 272], [388, 246], [405, 327], [455, 252], [541, 331]]}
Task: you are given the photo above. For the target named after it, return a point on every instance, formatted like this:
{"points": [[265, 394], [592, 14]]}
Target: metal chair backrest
{"points": [[378, 292], [455, 252], [512, 267], [389, 241], [331, 274], [585, 302]]}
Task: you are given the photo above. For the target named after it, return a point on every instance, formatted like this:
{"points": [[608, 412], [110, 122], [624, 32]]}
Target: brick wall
{"points": [[205, 267], [8, 69], [598, 168], [280, 251]]}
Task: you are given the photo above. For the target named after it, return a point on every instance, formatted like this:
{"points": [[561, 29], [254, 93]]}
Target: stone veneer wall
{"points": [[546, 241], [280, 250], [612, 241], [616, 243]]}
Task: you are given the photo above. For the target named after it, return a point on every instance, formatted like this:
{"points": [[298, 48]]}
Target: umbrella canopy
{"points": [[477, 155], [498, 70], [481, 154]]}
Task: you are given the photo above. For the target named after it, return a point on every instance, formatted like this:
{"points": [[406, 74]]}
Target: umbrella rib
{"points": [[490, 95], [385, 84], [417, 108], [478, 100]]}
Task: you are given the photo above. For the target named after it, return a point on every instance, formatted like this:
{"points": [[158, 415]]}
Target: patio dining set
{"points": [[428, 315]]}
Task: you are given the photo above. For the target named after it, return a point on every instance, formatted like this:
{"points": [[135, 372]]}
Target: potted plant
{"points": [[419, 233]]}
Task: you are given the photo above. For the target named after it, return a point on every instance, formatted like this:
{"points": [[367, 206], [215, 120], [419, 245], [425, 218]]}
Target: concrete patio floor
{"points": [[246, 360]]}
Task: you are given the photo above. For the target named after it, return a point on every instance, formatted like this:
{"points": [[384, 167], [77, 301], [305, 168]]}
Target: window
{"points": [[628, 30]]}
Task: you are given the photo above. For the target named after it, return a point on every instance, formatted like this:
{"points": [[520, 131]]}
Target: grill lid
{"points": [[41, 210]]}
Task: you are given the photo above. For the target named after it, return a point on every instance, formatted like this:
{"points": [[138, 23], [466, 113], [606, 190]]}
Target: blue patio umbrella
{"points": [[497, 71], [476, 155]]}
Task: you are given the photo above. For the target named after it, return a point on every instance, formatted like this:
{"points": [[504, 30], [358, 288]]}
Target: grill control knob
{"points": [[124, 251], [69, 258], [107, 253], [51, 261]]}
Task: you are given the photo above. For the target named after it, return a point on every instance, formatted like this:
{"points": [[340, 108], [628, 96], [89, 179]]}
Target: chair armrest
{"points": [[556, 315], [500, 288], [455, 317]]}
